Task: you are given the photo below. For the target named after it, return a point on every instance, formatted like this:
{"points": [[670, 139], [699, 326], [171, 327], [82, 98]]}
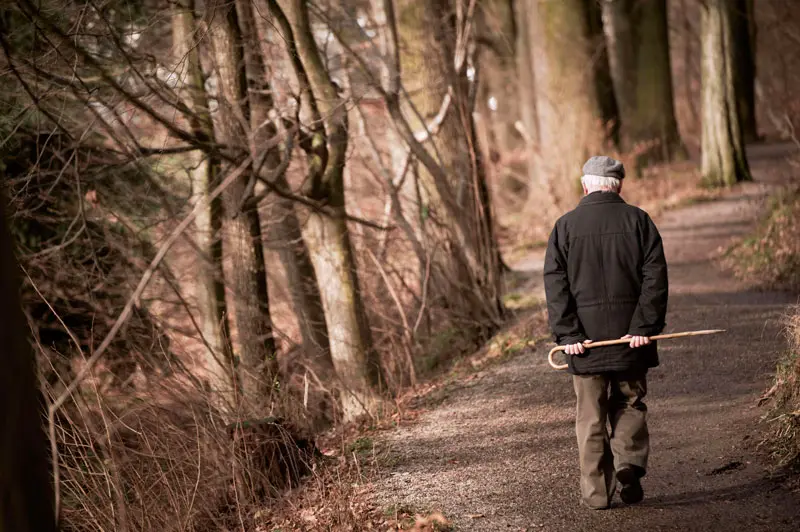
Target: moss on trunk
{"points": [[570, 115], [723, 159], [254, 342], [639, 47], [354, 357], [209, 286]]}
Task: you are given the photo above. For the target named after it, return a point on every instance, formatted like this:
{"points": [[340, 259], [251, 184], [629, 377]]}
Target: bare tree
{"points": [[603, 82], [435, 68], [283, 223], [724, 162], [528, 124], [204, 173], [242, 238], [744, 42], [569, 110], [496, 36], [638, 43], [326, 233]]}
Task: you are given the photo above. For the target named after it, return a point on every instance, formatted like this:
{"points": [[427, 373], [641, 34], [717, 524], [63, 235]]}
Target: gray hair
{"points": [[595, 183]]}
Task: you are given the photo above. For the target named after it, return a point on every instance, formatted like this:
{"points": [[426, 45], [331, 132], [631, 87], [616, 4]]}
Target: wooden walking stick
{"points": [[621, 341]]}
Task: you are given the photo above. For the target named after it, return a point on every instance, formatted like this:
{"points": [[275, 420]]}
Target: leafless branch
{"points": [[143, 282]]}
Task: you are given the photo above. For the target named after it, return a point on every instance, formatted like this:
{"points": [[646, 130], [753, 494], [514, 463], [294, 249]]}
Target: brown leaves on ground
{"points": [[430, 523], [336, 501], [527, 333]]}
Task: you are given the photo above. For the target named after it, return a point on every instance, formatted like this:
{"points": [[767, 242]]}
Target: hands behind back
{"points": [[637, 341], [579, 349], [576, 348]]}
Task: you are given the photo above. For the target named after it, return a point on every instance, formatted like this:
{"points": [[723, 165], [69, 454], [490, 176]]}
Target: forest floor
{"points": [[499, 452]]}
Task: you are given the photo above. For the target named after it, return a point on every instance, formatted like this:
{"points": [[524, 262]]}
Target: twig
{"points": [[143, 282], [407, 332], [51, 426], [424, 294]]}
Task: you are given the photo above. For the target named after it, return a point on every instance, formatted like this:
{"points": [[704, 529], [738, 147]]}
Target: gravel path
{"points": [[500, 452]]}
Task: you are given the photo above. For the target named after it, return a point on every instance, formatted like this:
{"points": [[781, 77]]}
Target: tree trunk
{"points": [[204, 175], [526, 83], [569, 110], [283, 224], [302, 280], [354, 357], [639, 48], [723, 162], [428, 37], [498, 73], [744, 42], [242, 242], [26, 483], [604, 85]]}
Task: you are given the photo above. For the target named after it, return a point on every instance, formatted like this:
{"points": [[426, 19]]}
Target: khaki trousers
{"points": [[613, 399]]}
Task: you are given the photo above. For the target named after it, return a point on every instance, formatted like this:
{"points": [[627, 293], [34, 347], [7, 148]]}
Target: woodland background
{"points": [[243, 223]]}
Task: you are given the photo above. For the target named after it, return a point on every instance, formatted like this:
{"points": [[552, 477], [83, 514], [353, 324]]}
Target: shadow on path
{"points": [[502, 446]]}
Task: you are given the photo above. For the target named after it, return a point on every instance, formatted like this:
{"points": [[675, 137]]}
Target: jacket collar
{"points": [[601, 197]]}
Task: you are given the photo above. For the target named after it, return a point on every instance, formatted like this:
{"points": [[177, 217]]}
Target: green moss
{"points": [[362, 445]]}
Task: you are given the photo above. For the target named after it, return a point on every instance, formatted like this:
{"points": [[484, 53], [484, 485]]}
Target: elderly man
{"points": [[606, 277]]}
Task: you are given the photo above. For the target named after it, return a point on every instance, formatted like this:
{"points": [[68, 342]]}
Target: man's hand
{"points": [[637, 341], [577, 348]]}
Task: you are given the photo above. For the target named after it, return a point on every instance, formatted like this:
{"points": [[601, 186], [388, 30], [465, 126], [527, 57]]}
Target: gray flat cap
{"points": [[604, 166]]}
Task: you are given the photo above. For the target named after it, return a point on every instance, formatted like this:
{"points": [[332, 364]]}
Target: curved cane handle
{"points": [[553, 351]]}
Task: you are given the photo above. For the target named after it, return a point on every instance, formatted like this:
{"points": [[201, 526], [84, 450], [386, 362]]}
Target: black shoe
{"points": [[631, 491]]}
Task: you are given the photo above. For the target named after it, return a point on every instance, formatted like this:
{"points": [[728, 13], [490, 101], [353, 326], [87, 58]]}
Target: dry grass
{"points": [[338, 495], [169, 461], [783, 439], [770, 258]]}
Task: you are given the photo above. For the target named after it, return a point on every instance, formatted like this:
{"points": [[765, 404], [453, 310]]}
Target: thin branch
{"points": [[31, 13], [424, 296], [143, 282]]}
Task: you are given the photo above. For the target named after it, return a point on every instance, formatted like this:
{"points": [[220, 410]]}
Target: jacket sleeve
{"points": [[651, 311], [561, 308]]}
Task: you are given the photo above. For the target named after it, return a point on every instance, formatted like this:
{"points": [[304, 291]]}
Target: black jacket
{"points": [[605, 276]]}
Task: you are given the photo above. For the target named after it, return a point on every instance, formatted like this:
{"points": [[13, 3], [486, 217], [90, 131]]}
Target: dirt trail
{"points": [[502, 446]]}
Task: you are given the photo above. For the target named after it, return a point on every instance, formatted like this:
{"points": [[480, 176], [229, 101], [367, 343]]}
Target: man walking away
{"points": [[605, 277]]}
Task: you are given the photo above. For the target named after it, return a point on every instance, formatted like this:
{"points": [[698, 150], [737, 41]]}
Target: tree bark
{"points": [[354, 357], [283, 225], [498, 72], [638, 43], [26, 483], [433, 72], [569, 110], [604, 85], [723, 160], [204, 175], [242, 240], [526, 82], [744, 42]]}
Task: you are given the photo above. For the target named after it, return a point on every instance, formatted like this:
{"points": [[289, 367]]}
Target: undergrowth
{"points": [[770, 257], [783, 440]]}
